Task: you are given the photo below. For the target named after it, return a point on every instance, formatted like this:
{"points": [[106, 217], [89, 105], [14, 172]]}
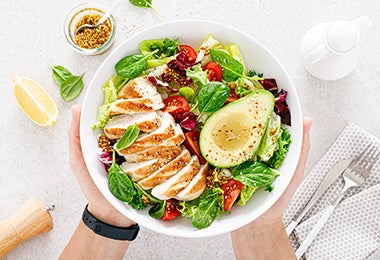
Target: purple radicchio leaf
{"points": [[281, 107], [159, 83], [187, 120]]}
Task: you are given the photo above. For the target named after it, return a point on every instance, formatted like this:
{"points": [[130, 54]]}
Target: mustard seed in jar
{"points": [[91, 38]]}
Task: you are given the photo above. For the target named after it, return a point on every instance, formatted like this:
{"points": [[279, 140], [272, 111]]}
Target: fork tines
{"points": [[366, 160]]}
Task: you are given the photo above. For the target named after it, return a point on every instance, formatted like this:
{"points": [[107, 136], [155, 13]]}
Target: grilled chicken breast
{"points": [[157, 137], [136, 105], [139, 87], [167, 171], [160, 151], [172, 186], [196, 185], [116, 126]]}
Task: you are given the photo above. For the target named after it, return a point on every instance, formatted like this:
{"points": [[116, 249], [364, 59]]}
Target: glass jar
{"points": [[75, 15]]}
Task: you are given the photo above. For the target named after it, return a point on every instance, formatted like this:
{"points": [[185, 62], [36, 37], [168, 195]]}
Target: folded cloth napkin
{"points": [[353, 229]]}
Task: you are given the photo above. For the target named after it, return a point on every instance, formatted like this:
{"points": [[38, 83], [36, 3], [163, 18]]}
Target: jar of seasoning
{"points": [[90, 41]]}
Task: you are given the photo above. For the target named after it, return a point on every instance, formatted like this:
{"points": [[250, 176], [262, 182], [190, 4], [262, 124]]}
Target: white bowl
{"points": [[193, 32]]}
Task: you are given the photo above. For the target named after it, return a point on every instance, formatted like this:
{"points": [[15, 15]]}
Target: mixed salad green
{"points": [[195, 84]]}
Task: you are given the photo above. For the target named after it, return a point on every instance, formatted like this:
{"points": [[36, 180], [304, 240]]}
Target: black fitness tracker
{"points": [[106, 230]]}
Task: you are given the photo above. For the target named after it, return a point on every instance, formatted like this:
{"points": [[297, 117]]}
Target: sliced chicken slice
{"points": [[172, 186], [136, 105], [196, 186], [116, 126], [138, 88], [166, 171], [157, 137], [178, 137], [141, 170], [160, 151]]}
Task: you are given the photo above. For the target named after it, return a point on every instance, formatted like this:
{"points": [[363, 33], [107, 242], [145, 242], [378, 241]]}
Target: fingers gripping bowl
{"points": [[255, 56]]}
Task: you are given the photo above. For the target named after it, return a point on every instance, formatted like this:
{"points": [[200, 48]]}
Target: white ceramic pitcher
{"points": [[330, 51]]}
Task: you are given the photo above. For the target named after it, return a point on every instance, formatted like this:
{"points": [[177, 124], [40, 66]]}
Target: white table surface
{"points": [[34, 160]]}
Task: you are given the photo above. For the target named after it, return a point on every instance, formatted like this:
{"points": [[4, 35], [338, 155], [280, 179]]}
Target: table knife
{"points": [[330, 177]]}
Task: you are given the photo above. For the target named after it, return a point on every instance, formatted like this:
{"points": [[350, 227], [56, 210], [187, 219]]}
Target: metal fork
{"points": [[354, 176]]}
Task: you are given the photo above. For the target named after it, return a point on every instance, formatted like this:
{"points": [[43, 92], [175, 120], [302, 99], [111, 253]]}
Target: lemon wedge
{"points": [[34, 101]]}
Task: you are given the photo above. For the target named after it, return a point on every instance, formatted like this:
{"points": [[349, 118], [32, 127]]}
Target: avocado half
{"points": [[232, 134]]}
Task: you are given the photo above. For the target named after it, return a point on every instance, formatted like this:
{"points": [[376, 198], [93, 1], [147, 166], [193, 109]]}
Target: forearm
{"points": [[262, 241], [85, 244]]}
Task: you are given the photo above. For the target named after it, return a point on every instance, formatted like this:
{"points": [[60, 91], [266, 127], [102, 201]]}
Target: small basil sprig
{"points": [[70, 86], [145, 4], [120, 185], [232, 68], [256, 174], [129, 137], [212, 96], [158, 210], [132, 66]]}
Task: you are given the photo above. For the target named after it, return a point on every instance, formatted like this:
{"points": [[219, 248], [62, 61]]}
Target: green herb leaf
{"points": [[120, 185], [133, 65], [71, 87], [256, 174], [145, 3], [212, 96], [232, 69], [283, 143], [60, 74], [158, 210], [198, 75], [166, 47], [129, 137]]}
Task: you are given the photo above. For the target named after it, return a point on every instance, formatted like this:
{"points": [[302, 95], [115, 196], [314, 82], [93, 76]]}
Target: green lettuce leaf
{"points": [[269, 144], [283, 143]]}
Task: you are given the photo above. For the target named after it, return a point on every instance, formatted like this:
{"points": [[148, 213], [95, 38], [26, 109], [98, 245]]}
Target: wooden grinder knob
{"points": [[29, 220]]}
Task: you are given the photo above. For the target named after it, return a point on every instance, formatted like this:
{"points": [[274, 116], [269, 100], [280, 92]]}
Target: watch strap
{"points": [[106, 230]]}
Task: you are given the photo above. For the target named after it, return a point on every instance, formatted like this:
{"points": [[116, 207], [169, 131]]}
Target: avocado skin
{"points": [[222, 157]]}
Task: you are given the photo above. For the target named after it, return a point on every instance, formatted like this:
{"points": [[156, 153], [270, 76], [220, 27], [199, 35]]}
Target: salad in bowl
{"points": [[192, 134]]}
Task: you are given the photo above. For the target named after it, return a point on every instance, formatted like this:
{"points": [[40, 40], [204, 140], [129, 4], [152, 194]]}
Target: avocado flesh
{"points": [[232, 134]]}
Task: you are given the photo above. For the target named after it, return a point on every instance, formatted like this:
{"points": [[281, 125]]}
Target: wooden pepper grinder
{"points": [[29, 220]]}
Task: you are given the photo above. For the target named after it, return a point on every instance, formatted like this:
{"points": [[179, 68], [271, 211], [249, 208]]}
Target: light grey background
{"points": [[34, 160]]}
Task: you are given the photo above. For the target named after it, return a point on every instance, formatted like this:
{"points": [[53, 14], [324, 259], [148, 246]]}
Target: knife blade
{"points": [[334, 172]]}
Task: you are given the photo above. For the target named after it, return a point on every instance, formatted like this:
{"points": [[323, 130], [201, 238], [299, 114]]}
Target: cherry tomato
{"points": [[190, 52], [192, 143], [231, 190], [171, 210], [214, 71], [232, 96], [175, 104]]}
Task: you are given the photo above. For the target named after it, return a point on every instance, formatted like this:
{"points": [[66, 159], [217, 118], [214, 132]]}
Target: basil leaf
{"points": [[158, 210], [60, 74], [129, 137], [147, 194], [71, 87], [232, 69], [144, 4], [120, 185], [210, 206], [256, 174], [212, 96], [133, 65]]}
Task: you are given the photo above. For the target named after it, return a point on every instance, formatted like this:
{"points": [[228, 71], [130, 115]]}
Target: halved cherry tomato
{"points": [[231, 190], [190, 52], [192, 143], [175, 104], [214, 71], [171, 210], [232, 96]]}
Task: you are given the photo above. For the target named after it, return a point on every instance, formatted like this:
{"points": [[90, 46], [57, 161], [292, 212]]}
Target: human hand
{"points": [[97, 204]]}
